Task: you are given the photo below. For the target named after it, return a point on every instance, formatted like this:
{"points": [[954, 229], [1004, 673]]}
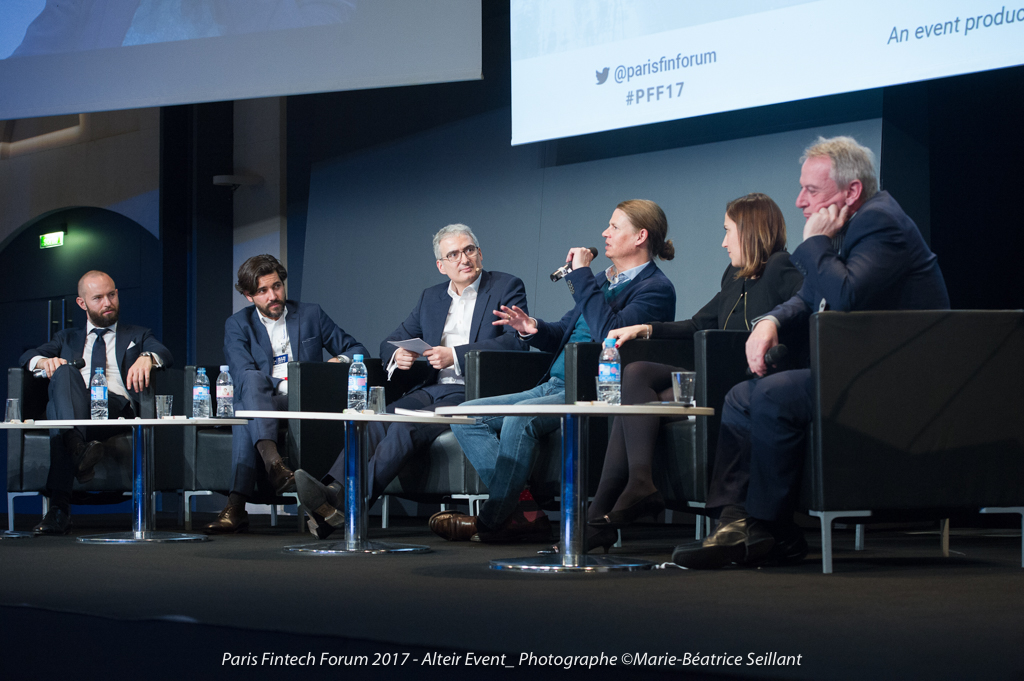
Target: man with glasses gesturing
{"points": [[453, 318]]}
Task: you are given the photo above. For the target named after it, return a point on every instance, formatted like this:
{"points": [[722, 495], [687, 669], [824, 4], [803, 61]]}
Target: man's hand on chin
{"points": [[826, 222]]}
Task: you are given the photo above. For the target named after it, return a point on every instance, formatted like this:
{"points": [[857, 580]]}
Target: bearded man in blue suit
{"points": [[452, 318], [126, 353], [259, 341]]}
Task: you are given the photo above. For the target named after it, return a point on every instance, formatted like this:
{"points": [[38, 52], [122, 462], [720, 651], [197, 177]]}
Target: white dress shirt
{"points": [[457, 328], [280, 345]]}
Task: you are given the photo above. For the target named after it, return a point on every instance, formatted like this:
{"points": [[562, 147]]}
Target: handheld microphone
{"points": [[567, 267], [774, 356]]}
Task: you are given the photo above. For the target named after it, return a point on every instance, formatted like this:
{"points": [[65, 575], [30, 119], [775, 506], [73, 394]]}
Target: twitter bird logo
{"points": [[602, 76]]}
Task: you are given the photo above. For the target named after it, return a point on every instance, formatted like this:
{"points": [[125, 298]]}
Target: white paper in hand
{"points": [[417, 345]]}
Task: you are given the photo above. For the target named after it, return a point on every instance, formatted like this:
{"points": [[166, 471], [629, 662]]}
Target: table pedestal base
{"points": [[359, 546], [587, 563], [16, 534], [142, 537]]}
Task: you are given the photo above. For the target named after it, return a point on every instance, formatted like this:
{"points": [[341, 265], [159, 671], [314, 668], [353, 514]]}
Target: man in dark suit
{"points": [[631, 291], [453, 318], [126, 353], [875, 260], [259, 341]]}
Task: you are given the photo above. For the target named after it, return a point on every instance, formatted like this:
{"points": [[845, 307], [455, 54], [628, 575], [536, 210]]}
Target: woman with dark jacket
{"points": [[759, 277]]}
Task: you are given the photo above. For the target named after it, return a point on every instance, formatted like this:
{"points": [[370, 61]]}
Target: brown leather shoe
{"points": [[281, 477], [232, 519], [453, 525]]}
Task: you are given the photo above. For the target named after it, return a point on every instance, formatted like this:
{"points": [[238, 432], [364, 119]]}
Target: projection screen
{"points": [[77, 56], [583, 66]]}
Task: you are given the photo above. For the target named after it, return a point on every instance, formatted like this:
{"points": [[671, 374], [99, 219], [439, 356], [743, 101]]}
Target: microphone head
{"points": [[78, 363], [593, 251], [776, 354]]}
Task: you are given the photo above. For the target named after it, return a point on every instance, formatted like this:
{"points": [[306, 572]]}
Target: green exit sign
{"points": [[51, 240]]}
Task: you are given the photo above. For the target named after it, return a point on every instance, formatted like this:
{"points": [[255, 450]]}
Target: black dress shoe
{"points": [[321, 503], [231, 520], [516, 529], [282, 479], [651, 505], [790, 547], [453, 525], [85, 459], [742, 541], [55, 522]]}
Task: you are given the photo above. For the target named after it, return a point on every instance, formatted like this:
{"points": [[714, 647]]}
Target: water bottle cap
{"points": [[357, 358], [201, 370], [224, 367], [98, 370], [609, 342]]}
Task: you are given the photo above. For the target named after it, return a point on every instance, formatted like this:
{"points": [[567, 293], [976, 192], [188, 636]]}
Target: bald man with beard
{"points": [[125, 352]]}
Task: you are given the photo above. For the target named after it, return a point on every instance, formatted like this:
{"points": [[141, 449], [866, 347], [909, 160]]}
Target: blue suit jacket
{"points": [[70, 343], [650, 297], [883, 264], [427, 319], [310, 331]]}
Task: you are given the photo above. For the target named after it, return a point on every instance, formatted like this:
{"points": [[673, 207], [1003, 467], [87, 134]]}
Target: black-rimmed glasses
{"points": [[456, 256]]}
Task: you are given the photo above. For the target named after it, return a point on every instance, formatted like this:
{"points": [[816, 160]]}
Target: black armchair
{"points": [[311, 445], [28, 451], [916, 415]]}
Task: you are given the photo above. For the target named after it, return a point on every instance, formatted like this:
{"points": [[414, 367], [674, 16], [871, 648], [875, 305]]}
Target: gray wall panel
{"points": [[371, 214]]}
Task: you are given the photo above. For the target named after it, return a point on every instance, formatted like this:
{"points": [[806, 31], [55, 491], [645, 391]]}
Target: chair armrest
{"points": [[33, 392], [319, 386], [581, 361], [498, 372], [676, 352]]}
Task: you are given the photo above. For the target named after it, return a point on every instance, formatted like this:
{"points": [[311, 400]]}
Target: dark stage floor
{"points": [[895, 611]]}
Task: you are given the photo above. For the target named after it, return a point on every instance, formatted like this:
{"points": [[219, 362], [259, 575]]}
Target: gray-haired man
{"points": [[453, 317]]}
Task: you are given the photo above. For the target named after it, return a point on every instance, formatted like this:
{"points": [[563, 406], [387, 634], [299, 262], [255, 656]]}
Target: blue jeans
{"points": [[504, 465]]}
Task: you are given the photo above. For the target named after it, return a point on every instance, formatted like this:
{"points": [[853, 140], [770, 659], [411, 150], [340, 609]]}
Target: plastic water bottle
{"points": [[357, 388], [201, 395], [609, 381], [98, 395], [225, 394]]}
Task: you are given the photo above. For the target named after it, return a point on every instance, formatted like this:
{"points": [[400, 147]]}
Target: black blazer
{"points": [[132, 341], [740, 301]]}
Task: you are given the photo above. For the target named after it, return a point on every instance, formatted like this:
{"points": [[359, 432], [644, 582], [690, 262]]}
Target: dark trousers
{"points": [[762, 444], [392, 445], [255, 391], [69, 399]]}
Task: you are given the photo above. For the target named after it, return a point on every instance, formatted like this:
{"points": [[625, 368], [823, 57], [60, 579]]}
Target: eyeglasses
{"points": [[456, 256]]}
